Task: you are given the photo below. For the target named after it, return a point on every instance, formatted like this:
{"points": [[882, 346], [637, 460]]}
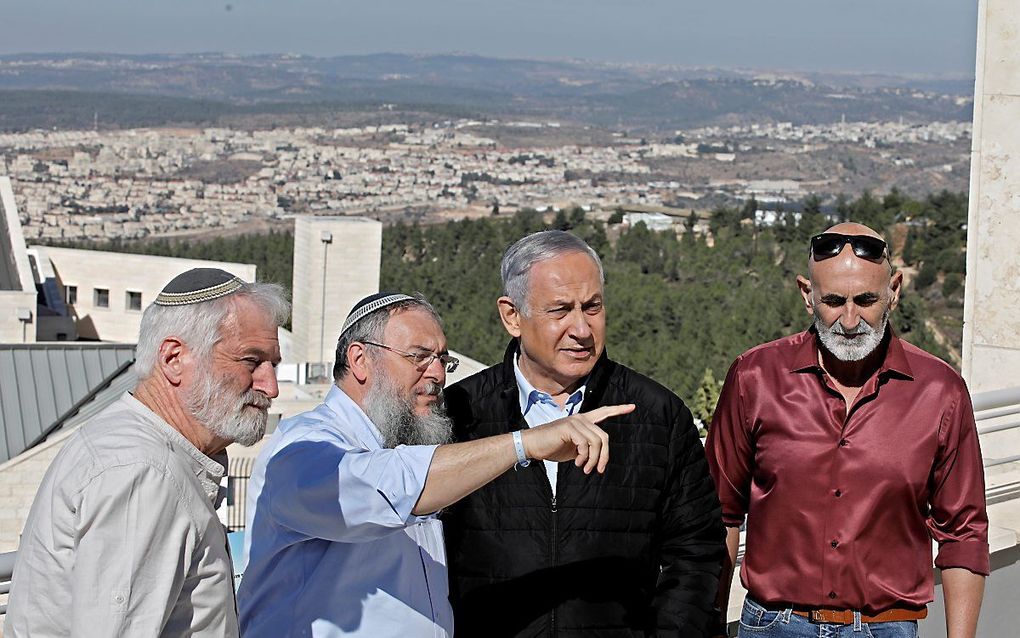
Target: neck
{"points": [[163, 401], [353, 388], [559, 389]]}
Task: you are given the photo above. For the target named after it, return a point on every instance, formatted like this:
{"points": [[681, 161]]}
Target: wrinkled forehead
{"points": [[569, 269], [848, 275], [414, 327]]}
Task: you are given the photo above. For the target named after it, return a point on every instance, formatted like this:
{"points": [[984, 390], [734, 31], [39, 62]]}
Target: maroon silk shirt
{"points": [[842, 508]]}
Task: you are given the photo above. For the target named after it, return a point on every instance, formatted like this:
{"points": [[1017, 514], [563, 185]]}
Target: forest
{"points": [[680, 305]]}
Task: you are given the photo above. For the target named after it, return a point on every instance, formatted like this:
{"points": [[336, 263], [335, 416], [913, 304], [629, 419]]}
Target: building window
{"points": [[101, 297], [71, 295], [134, 300]]}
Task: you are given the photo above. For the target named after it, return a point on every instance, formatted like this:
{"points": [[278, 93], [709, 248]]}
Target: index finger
{"points": [[606, 411]]}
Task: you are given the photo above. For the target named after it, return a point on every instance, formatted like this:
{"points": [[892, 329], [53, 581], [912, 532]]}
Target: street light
{"points": [[326, 238]]}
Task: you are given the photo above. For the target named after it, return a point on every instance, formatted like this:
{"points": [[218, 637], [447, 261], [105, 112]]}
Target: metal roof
{"points": [[46, 386]]}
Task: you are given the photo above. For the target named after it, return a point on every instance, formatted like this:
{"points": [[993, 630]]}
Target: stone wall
{"points": [[991, 334], [19, 481]]}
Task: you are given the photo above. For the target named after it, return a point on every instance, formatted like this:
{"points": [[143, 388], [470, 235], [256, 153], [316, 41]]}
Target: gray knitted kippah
{"points": [[370, 304], [198, 285]]}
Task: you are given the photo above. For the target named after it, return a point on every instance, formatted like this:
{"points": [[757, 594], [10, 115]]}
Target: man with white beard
{"points": [[849, 451], [123, 537], [343, 538]]}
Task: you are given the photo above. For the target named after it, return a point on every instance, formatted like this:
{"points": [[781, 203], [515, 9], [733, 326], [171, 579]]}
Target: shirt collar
{"points": [[529, 396], [806, 355], [351, 413]]}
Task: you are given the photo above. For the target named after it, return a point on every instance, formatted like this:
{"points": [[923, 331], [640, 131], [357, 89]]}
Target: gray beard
{"points": [[835, 338], [392, 412], [236, 420]]}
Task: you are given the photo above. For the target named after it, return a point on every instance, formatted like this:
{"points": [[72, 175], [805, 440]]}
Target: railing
{"points": [[238, 474], [6, 571], [992, 406]]}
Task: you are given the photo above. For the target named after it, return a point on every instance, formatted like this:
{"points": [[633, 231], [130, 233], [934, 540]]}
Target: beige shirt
{"points": [[123, 538]]}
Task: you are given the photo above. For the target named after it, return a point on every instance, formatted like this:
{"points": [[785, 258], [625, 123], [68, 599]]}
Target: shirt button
{"points": [[834, 544], [843, 443], [832, 595], [839, 493]]}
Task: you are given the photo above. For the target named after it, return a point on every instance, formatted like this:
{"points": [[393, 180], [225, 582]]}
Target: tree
{"points": [[706, 397]]}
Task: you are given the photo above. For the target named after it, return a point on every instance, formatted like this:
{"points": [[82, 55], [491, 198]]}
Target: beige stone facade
{"points": [[329, 278], [991, 336], [17, 304], [106, 292]]}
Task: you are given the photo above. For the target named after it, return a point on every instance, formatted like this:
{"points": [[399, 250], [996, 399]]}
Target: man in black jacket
{"points": [[545, 550]]}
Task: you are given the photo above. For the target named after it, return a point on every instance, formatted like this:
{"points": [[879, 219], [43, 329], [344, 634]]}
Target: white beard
{"points": [[242, 419], [393, 413], [844, 345]]}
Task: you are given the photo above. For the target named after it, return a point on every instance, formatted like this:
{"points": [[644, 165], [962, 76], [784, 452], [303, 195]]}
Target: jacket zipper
{"points": [[552, 547]]}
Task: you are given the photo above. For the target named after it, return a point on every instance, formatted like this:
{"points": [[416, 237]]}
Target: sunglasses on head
{"points": [[828, 245]]}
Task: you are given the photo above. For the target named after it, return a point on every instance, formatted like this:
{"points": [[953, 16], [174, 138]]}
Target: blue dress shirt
{"points": [[332, 547], [539, 408]]}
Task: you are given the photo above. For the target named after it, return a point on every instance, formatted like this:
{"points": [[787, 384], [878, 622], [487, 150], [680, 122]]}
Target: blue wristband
{"points": [[522, 458]]}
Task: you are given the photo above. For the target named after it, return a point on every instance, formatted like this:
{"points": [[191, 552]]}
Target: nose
{"points": [[579, 327], [436, 371], [851, 316], [264, 380]]}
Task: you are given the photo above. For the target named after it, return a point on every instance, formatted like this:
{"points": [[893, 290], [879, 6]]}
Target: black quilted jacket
{"points": [[635, 551]]}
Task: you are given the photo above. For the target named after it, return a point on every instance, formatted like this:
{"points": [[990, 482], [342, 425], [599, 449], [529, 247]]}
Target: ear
{"points": [[509, 315], [173, 358], [357, 361], [895, 285], [804, 284]]}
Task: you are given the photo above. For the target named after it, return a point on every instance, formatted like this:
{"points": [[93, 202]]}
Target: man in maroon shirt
{"points": [[849, 450]]}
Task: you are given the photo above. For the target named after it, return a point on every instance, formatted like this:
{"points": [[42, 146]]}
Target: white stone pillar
{"points": [[991, 331]]}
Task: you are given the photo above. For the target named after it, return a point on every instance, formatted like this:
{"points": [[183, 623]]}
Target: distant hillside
{"points": [[644, 97]]}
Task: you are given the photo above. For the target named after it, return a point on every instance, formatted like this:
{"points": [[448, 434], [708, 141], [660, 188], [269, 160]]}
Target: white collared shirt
{"points": [[332, 547], [123, 538], [539, 408]]}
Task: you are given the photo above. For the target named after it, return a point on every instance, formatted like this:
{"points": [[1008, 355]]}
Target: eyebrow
{"points": [[264, 355], [838, 300]]}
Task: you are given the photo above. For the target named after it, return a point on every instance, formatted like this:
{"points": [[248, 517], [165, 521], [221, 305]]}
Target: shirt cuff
{"points": [[971, 555], [402, 480]]}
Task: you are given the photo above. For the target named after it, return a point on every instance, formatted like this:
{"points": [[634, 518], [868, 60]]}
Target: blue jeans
{"points": [[758, 622]]}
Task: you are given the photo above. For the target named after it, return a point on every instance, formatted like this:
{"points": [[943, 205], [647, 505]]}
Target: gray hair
{"points": [[198, 325], [528, 251], [371, 328]]}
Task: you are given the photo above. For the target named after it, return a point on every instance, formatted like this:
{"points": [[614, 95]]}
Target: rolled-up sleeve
{"points": [[322, 490], [729, 451], [958, 519]]}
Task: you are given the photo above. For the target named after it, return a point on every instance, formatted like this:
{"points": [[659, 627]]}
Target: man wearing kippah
{"points": [[343, 538], [123, 537], [849, 451]]}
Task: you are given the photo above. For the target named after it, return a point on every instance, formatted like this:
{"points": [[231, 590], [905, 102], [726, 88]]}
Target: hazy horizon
{"points": [[933, 38]]}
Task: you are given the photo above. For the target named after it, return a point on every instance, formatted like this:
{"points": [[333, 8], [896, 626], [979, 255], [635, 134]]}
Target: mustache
{"points": [[256, 399], [863, 328], [432, 388]]}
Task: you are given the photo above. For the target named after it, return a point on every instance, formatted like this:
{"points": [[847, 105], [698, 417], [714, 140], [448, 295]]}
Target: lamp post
{"points": [[326, 238]]}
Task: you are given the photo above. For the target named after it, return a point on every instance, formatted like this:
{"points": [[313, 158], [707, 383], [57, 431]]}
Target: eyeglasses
{"points": [[421, 360], [828, 245]]}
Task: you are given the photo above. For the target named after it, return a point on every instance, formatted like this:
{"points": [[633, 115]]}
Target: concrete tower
{"points": [[336, 263]]}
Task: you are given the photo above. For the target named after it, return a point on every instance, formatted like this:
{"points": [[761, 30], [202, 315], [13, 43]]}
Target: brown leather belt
{"points": [[846, 616]]}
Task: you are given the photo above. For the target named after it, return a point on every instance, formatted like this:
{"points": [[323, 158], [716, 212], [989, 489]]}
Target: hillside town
{"points": [[75, 185]]}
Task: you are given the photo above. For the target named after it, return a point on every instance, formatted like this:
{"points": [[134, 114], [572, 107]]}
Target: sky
{"points": [[929, 37]]}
